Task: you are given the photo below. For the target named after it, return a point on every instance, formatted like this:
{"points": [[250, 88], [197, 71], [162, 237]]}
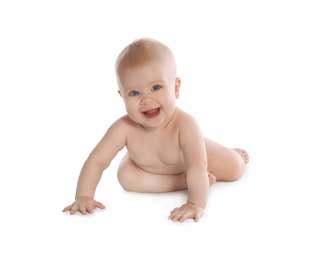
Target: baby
{"points": [[166, 148]]}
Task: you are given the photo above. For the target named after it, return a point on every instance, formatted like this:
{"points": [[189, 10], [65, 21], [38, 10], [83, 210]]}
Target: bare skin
{"points": [[228, 165], [166, 149]]}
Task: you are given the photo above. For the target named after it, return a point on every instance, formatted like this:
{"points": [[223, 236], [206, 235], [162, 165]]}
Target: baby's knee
{"points": [[124, 180], [236, 171]]}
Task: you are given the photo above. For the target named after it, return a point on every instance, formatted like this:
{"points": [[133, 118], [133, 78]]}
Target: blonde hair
{"points": [[140, 52]]}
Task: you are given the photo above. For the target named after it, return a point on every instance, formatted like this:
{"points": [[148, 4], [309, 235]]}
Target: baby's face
{"points": [[149, 93]]}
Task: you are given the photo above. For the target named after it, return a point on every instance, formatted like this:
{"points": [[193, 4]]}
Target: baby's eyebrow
{"points": [[130, 89], [157, 82]]}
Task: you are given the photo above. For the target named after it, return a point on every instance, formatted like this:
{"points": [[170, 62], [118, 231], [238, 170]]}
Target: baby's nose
{"points": [[146, 100]]}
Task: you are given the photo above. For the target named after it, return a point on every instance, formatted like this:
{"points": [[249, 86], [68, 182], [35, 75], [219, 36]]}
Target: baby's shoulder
{"points": [[119, 128], [183, 117], [186, 123], [124, 122]]}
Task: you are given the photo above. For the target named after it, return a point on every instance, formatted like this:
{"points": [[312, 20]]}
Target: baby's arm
{"points": [[99, 159], [194, 152]]}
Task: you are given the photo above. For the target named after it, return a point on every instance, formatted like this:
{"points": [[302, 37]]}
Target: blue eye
{"points": [[134, 93], [155, 87]]}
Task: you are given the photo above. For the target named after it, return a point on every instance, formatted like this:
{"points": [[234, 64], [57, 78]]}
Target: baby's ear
{"points": [[119, 93], [177, 87]]}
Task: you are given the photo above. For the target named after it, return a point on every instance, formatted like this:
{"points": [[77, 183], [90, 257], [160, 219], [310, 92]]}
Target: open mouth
{"points": [[151, 113]]}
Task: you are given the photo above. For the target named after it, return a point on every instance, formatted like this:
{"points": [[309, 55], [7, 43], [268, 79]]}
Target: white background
{"points": [[247, 73]]}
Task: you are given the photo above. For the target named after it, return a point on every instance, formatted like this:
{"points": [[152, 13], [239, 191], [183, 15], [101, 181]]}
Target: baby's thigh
{"points": [[133, 178], [224, 163], [128, 172]]}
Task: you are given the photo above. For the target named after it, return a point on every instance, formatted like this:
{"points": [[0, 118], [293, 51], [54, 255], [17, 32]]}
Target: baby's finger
{"points": [[175, 216], [174, 210], [197, 216], [74, 208], [89, 209], [172, 214], [67, 208], [184, 216], [83, 209], [99, 205]]}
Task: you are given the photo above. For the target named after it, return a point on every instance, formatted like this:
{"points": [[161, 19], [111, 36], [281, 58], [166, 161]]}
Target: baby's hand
{"points": [[83, 204], [187, 210]]}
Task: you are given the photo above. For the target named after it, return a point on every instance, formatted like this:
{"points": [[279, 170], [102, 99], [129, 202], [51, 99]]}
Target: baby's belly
{"points": [[160, 166]]}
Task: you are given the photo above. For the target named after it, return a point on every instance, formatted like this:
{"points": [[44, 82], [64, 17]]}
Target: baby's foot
{"points": [[212, 179], [243, 154]]}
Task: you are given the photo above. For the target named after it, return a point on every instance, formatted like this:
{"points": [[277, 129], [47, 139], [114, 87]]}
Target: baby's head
{"points": [[141, 52], [148, 82]]}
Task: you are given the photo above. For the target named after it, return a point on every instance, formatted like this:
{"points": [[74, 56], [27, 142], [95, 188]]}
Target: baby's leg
{"points": [[133, 178], [226, 164]]}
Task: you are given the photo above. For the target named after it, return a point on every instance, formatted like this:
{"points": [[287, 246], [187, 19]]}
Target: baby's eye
{"points": [[155, 87], [134, 93]]}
